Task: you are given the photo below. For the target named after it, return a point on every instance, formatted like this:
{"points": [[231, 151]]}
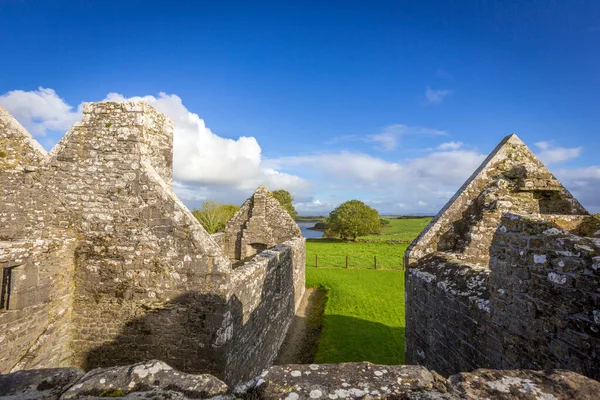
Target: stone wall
{"points": [[545, 286], [156, 380], [26, 207], [35, 324], [511, 179], [134, 275], [536, 306], [447, 316], [259, 224], [139, 249], [486, 287], [265, 294]]}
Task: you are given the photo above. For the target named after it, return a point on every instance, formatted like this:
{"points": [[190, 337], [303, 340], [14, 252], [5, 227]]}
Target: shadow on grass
{"points": [[314, 337], [346, 339]]}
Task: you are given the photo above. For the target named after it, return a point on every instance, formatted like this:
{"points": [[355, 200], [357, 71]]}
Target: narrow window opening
{"points": [[5, 290]]}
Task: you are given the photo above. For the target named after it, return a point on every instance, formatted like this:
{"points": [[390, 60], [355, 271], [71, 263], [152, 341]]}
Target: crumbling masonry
{"points": [[103, 265], [507, 275]]}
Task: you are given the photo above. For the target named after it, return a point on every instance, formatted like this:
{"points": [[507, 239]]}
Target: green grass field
{"points": [[405, 229], [332, 253], [364, 313]]}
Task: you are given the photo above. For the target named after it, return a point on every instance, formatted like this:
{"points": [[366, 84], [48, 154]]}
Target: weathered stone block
{"points": [[38, 384]]}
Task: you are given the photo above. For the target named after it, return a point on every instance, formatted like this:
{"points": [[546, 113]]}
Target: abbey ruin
{"points": [[103, 265], [507, 275], [104, 269]]}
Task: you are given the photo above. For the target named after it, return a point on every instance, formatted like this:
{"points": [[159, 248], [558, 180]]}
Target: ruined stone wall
{"points": [[536, 306], [545, 286], [511, 179], [134, 275], [258, 225], [26, 207], [488, 288], [265, 294], [36, 256], [139, 249], [35, 328], [447, 316]]}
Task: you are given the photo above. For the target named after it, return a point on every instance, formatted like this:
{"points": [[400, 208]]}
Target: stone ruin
{"points": [[258, 225], [103, 265], [507, 275]]}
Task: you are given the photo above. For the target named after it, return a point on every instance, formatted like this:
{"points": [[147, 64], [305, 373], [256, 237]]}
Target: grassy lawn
{"points": [[333, 252], [405, 229], [364, 315]]}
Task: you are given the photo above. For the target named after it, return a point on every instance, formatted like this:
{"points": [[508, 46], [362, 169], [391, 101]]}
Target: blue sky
{"points": [[394, 103]]}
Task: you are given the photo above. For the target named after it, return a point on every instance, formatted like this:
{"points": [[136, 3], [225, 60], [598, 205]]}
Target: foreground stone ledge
{"points": [[157, 380], [145, 377], [524, 384], [349, 381], [38, 384]]}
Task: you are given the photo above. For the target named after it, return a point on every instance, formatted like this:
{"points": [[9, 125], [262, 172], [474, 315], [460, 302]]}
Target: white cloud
{"points": [[584, 184], [389, 136], [207, 166], [40, 110], [203, 163], [450, 146], [436, 96], [549, 153], [447, 167], [421, 184], [387, 140], [202, 157], [314, 207], [440, 73]]}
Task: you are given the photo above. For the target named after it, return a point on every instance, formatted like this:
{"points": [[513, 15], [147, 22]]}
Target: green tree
{"points": [[352, 219], [285, 199], [213, 215]]}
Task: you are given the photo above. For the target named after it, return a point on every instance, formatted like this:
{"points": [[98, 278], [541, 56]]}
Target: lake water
{"points": [[308, 233]]}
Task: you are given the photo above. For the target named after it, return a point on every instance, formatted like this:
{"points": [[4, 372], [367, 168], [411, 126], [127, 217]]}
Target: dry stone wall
{"points": [[114, 268], [486, 287]]}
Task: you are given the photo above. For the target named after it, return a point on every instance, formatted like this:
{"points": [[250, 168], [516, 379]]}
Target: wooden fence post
{"points": [[316, 261], [346, 261], [375, 261]]}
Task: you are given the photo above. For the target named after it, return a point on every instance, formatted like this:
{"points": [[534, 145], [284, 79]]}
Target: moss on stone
{"points": [[112, 393]]}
